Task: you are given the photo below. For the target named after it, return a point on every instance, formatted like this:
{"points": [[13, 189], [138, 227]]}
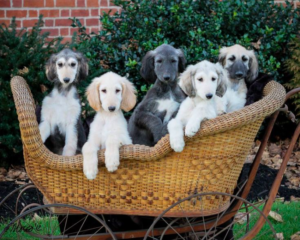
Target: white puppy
{"points": [[201, 82], [107, 95]]}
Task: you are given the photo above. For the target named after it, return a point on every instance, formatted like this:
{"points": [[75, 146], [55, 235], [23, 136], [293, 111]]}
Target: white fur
{"points": [[168, 105], [235, 96], [62, 111], [109, 129], [194, 110]]}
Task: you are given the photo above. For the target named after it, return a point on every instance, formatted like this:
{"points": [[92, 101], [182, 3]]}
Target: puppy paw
{"points": [[112, 161], [177, 144], [69, 151], [90, 169], [191, 129]]}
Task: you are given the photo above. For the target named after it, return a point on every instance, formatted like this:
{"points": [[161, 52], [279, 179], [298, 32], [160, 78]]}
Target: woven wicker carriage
{"points": [[149, 179]]}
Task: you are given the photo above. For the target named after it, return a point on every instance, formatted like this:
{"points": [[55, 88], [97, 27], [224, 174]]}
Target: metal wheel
{"points": [[229, 224], [52, 222]]}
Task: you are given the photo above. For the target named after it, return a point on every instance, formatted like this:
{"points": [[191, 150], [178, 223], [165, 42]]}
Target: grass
{"points": [[290, 213]]}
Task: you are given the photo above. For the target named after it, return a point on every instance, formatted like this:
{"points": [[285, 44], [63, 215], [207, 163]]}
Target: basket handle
{"points": [[274, 97]]}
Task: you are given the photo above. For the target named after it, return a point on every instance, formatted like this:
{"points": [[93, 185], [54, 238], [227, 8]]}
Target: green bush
{"points": [[21, 53]]}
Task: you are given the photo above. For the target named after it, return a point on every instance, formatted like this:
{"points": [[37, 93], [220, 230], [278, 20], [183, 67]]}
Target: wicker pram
{"points": [[149, 179]]}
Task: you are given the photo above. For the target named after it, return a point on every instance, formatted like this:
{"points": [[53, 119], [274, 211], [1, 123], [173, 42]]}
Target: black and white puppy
{"points": [[242, 68], [148, 123], [60, 126]]}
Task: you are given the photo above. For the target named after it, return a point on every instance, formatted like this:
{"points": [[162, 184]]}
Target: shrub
{"points": [[293, 67], [21, 53], [200, 28]]}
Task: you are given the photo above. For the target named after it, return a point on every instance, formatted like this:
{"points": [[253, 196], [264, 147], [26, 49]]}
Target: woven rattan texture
{"points": [[149, 179]]}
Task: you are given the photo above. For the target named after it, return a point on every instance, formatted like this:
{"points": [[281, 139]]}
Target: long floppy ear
{"points": [[222, 80], [253, 67], [128, 95], [186, 81], [92, 94], [147, 70], [51, 68], [222, 56], [182, 60], [83, 67]]}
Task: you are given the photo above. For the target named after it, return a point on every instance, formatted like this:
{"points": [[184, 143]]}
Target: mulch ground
{"points": [[271, 160]]}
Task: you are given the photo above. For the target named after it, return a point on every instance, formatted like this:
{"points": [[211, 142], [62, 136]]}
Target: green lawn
{"points": [[290, 213]]}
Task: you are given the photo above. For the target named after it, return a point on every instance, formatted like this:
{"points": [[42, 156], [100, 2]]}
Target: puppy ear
{"points": [[253, 67], [222, 80], [182, 60], [83, 67], [92, 94], [222, 56], [51, 68], [147, 69], [186, 81], [128, 95]]}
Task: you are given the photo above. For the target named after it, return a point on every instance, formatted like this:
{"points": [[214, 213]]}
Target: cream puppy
{"points": [[108, 95]]}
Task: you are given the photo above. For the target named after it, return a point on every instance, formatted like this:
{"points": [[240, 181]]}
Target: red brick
{"points": [[33, 3], [49, 13], [81, 3], [64, 32], [93, 3], [95, 29], [49, 22], [113, 10], [66, 39], [16, 13], [52, 31], [94, 12], [49, 3], [29, 23], [80, 13], [104, 3], [92, 22], [17, 3], [2, 13], [63, 22], [33, 13], [65, 13], [5, 3], [65, 3], [72, 30], [8, 21]]}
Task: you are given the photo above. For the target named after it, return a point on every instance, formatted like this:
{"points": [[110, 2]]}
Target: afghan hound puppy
{"points": [[202, 83], [60, 125], [148, 123], [108, 95], [242, 68]]}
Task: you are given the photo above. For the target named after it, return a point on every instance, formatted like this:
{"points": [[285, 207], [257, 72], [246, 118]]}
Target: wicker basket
{"points": [[149, 179]]}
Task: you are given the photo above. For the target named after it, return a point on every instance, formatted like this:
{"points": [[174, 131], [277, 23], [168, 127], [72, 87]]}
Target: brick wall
{"points": [[57, 13]]}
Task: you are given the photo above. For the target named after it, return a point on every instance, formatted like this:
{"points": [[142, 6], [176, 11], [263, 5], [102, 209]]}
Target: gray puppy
{"points": [[148, 123]]}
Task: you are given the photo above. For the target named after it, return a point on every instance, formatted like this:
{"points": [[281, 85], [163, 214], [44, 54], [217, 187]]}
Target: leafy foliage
{"points": [[293, 66], [21, 53]]}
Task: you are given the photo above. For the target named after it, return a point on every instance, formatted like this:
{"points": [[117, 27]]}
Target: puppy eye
{"points": [[213, 79], [200, 79], [244, 59], [60, 64], [117, 90], [159, 61], [232, 58], [103, 90], [73, 64], [173, 61]]}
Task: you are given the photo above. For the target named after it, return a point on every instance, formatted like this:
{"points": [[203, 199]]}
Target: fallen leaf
{"points": [[296, 236], [275, 216], [279, 236], [274, 149], [241, 217]]}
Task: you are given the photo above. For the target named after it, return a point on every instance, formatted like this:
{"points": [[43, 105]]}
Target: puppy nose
{"points": [[209, 96], [239, 74], [111, 108], [167, 77], [66, 80]]}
